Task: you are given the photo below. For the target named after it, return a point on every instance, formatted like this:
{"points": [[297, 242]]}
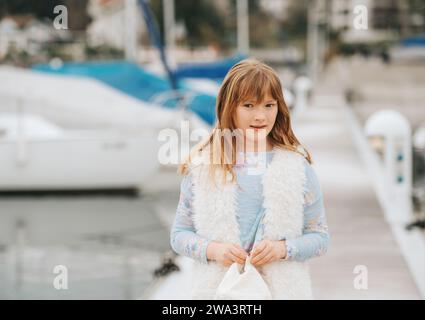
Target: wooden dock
{"points": [[360, 235]]}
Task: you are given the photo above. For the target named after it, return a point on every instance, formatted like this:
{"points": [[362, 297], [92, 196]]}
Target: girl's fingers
{"points": [[233, 258], [260, 255], [258, 249], [227, 261], [237, 259], [265, 260], [239, 252], [238, 247]]}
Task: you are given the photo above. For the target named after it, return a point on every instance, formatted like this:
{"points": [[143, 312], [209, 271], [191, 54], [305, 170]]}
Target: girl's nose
{"points": [[259, 115]]}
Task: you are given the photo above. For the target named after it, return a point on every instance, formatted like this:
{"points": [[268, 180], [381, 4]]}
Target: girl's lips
{"points": [[258, 128]]}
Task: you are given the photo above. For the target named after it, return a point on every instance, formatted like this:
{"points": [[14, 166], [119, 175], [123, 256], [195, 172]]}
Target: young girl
{"points": [[260, 198]]}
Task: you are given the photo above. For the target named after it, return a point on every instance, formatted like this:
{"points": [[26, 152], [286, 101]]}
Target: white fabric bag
{"points": [[244, 284]]}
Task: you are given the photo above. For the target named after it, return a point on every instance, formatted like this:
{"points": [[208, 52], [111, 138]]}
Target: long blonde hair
{"points": [[246, 79]]}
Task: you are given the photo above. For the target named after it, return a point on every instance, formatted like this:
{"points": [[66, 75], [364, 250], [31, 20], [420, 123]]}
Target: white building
{"points": [[116, 23]]}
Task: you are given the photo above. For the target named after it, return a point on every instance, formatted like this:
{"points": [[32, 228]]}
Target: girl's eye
{"points": [[248, 105], [269, 105]]}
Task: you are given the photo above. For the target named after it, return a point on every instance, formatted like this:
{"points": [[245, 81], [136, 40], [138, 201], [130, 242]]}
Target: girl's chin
{"points": [[256, 137], [256, 140]]}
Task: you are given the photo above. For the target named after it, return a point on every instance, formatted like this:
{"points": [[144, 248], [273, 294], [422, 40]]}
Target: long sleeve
{"points": [[183, 237], [315, 239]]}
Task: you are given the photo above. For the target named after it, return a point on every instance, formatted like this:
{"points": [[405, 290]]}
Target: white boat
{"points": [[117, 147], [73, 101], [38, 155]]}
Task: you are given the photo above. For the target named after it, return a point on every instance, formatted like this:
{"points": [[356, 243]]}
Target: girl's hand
{"points": [[226, 253], [267, 251]]}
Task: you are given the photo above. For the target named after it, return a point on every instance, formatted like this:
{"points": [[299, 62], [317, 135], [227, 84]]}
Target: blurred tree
{"points": [[297, 20], [208, 22], [39, 8], [203, 21], [264, 29], [78, 18]]}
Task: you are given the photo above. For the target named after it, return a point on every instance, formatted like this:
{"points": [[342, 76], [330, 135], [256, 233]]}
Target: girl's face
{"points": [[256, 118]]}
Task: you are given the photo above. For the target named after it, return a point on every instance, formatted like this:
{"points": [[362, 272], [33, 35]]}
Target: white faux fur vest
{"points": [[215, 218]]}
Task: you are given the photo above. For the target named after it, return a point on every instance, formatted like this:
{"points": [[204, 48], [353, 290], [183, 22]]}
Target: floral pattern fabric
{"points": [[313, 242]]}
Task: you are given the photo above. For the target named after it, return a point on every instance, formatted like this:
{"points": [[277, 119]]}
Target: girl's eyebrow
{"points": [[254, 101]]}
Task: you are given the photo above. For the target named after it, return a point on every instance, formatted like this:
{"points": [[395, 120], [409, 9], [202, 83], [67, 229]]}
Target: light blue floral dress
{"points": [[312, 243]]}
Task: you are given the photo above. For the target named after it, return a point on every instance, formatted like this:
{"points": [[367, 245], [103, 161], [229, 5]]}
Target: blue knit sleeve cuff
{"points": [[288, 253], [290, 249]]}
